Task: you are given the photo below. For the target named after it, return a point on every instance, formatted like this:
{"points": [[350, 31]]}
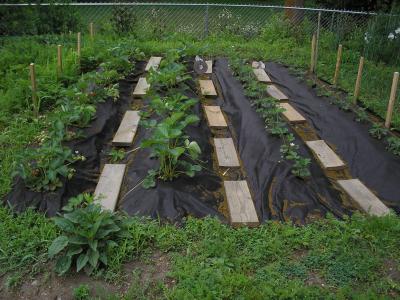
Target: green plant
{"points": [[361, 115], [169, 144], [82, 292], [168, 76], [378, 131], [123, 19], [87, 233], [116, 155], [394, 145]]}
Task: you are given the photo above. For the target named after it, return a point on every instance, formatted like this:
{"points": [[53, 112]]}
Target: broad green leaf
{"points": [[63, 224], [93, 257], [63, 264], [81, 261], [57, 245]]}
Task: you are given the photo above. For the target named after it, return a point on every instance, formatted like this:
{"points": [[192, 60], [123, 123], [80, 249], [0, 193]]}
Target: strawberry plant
{"points": [[394, 145], [378, 131], [170, 145], [87, 234]]}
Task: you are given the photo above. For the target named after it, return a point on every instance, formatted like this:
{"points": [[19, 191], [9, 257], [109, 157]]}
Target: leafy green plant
{"points": [[116, 155], [361, 115], [165, 106], [167, 77], [123, 19], [378, 131], [82, 292], [43, 168], [169, 144], [394, 145], [87, 233]]}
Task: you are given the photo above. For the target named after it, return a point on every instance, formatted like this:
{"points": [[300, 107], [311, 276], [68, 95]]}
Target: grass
{"points": [[333, 259]]}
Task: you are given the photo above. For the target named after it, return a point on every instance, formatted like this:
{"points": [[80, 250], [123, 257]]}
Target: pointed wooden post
{"points": [[392, 98], [34, 88], [78, 46], [59, 60], [358, 81], [338, 63], [313, 45]]}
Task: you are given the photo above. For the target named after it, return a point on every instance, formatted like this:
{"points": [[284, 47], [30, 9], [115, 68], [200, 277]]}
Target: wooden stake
{"points": [[313, 44], [317, 43], [338, 63], [33, 86], [358, 81], [91, 29], [392, 98], [59, 60], [78, 47]]}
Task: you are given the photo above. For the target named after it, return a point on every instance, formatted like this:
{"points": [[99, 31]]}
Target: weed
{"points": [[394, 145], [361, 115], [116, 155], [82, 292]]}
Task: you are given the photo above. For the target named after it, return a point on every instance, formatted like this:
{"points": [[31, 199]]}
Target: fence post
{"points": [[78, 46], [59, 60], [392, 98], [206, 21], [317, 42], [338, 63], [33, 86], [358, 81], [313, 42], [91, 30]]}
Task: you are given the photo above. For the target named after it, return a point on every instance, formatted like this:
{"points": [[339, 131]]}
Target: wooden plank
{"points": [[262, 75], [327, 157], [141, 87], [291, 114], [276, 93], [240, 205], [364, 197], [209, 66], [226, 152], [207, 88], [214, 116], [127, 130], [109, 185], [257, 65], [154, 62]]}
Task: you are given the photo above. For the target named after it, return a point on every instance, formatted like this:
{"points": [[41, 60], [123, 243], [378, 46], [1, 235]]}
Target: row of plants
{"points": [[72, 102], [377, 130], [270, 111], [167, 117]]}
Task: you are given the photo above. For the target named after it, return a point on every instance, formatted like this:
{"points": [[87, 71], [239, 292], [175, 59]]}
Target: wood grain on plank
{"points": [[364, 197], [209, 66], [141, 87], [226, 152], [207, 88], [327, 157], [109, 185], [240, 204], [214, 116], [257, 65], [291, 114], [127, 130], [261, 75], [276, 93], [154, 62]]}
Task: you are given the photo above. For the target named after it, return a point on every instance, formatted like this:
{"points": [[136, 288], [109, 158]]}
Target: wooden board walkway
{"points": [[240, 204], [141, 87], [262, 76], [214, 116], [209, 66], [127, 130], [291, 114], [226, 152], [276, 93], [207, 88], [154, 62], [326, 156], [363, 197], [257, 65], [109, 185]]}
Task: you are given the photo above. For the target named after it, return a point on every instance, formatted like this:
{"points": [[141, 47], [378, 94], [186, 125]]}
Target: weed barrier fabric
{"points": [[173, 200], [277, 193], [365, 156]]}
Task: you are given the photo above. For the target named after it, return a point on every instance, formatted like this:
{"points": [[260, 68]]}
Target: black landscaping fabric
{"points": [[366, 157], [277, 193]]}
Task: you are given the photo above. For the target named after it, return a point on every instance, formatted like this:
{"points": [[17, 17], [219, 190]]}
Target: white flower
{"points": [[391, 36], [291, 144], [397, 31], [76, 152]]}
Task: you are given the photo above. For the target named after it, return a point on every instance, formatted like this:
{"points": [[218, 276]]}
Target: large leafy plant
{"points": [[87, 234], [170, 145]]}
